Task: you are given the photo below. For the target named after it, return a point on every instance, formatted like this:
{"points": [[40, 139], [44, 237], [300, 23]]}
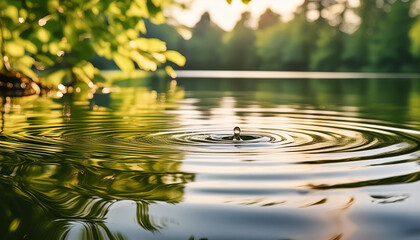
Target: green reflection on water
{"points": [[95, 152], [76, 178]]}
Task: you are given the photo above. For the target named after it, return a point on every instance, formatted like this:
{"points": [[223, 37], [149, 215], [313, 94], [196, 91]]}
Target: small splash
{"points": [[236, 134], [220, 137], [237, 131]]}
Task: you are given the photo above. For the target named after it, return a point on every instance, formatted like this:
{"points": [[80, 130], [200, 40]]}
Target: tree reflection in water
{"points": [[53, 193], [69, 170], [67, 184]]}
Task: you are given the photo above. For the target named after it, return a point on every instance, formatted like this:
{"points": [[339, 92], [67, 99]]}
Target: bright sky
{"points": [[226, 15]]}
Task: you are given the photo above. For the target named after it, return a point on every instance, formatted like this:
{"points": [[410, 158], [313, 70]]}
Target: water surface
{"points": [[319, 159]]}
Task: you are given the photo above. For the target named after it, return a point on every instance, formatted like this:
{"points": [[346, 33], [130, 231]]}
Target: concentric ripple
{"points": [[212, 137], [144, 164], [163, 154], [327, 139]]}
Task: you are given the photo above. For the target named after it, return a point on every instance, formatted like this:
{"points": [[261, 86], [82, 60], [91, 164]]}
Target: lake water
{"points": [[319, 160]]}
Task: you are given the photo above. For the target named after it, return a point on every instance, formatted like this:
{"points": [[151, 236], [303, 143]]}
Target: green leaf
{"points": [[157, 2], [53, 5], [114, 9], [150, 44], [415, 38], [135, 11], [132, 34], [70, 33], [158, 18], [11, 12], [14, 49], [81, 75], [159, 57], [31, 47], [141, 26], [56, 77], [27, 61], [24, 64], [43, 35], [143, 62], [27, 71], [170, 71], [175, 57], [124, 63], [48, 60], [87, 68], [7, 33], [54, 48]]}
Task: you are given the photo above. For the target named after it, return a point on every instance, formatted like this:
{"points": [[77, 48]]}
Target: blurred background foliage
{"points": [[66, 41], [321, 36]]}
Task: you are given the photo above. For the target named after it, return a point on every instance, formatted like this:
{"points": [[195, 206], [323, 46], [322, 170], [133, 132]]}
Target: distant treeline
{"points": [[323, 35]]}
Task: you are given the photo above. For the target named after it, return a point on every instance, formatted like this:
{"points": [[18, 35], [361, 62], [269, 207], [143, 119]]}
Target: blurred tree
{"points": [[415, 38], [203, 50], [268, 18], [239, 51], [327, 29], [286, 46], [390, 50], [326, 55], [65, 35], [320, 38], [357, 45], [326, 32]]}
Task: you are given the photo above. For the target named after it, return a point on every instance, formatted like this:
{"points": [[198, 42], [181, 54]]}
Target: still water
{"points": [[317, 160]]}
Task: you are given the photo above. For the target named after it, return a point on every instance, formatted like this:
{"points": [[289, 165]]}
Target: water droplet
{"points": [[237, 131]]}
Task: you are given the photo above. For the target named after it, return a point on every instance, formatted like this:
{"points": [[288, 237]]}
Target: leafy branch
{"points": [[60, 38]]}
